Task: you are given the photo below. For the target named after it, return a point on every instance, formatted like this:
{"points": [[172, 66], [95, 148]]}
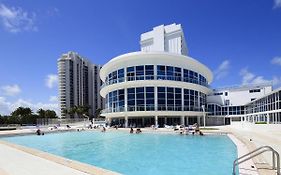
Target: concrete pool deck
{"points": [[254, 136], [19, 160]]}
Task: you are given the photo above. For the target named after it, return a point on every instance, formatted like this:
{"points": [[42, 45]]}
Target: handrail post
{"points": [[273, 160], [278, 163]]}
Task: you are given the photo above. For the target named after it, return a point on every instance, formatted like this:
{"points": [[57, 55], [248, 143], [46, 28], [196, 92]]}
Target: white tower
{"points": [[169, 38]]}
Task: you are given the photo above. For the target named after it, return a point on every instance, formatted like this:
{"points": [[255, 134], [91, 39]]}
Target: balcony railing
{"points": [[155, 77], [151, 108]]}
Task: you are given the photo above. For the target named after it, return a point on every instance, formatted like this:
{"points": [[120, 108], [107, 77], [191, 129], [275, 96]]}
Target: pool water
{"points": [[140, 154]]}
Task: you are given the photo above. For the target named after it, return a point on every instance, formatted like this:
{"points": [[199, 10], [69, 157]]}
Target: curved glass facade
{"points": [[155, 99], [155, 72]]}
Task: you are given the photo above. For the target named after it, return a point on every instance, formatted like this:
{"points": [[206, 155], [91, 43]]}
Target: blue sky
{"points": [[240, 41]]}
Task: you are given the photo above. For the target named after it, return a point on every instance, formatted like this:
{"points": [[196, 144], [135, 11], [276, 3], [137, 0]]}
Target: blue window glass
{"points": [[161, 92], [178, 103], [170, 73], [170, 99], [187, 100], [131, 99], [149, 98], [177, 74], [110, 78], [161, 72], [121, 75], [121, 98], [130, 73], [195, 77], [149, 72], [140, 72], [140, 98], [185, 75]]}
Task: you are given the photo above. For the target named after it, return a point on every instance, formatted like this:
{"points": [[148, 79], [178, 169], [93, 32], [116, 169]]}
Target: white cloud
{"points": [[15, 19], [4, 106], [7, 107], [222, 70], [250, 78], [51, 80], [277, 4], [276, 60], [247, 76], [11, 90], [53, 99]]}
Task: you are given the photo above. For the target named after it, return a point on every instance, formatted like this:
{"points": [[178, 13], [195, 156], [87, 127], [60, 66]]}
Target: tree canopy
{"points": [[25, 115]]}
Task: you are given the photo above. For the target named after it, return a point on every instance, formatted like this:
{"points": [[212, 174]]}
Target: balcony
{"points": [[156, 77], [152, 108]]}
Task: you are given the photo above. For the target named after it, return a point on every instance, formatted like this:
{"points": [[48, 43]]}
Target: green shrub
{"points": [[260, 122]]}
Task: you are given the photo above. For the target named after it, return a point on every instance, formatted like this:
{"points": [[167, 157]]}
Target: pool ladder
{"points": [[256, 152]]}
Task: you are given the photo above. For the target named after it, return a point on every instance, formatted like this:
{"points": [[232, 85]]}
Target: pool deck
{"points": [[254, 136], [20, 160]]}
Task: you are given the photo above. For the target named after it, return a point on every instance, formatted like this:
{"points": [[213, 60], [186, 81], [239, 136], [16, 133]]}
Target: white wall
{"points": [[239, 96], [162, 38]]}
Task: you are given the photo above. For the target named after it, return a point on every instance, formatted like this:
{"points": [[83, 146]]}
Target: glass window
{"points": [[110, 77], [177, 74], [121, 75], [178, 104], [121, 98], [170, 73], [161, 72], [130, 73], [195, 77], [140, 72], [186, 100], [185, 75], [161, 92], [140, 98], [149, 72], [149, 98], [131, 99], [170, 99]]}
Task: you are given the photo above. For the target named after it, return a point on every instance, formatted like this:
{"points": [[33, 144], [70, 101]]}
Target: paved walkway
{"points": [[16, 162]]}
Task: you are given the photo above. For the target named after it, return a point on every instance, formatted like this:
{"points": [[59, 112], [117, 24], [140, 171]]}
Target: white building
{"points": [[226, 104], [239, 95], [161, 85], [79, 83], [169, 38]]}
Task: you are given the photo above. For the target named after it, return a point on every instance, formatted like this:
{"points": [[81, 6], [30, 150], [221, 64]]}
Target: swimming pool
{"points": [[139, 154]]}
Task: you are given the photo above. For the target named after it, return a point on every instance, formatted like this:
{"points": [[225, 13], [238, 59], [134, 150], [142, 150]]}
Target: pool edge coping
{"points": [[241, 150], [79, 166]]}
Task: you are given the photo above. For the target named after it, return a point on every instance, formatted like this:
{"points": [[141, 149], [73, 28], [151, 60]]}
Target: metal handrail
{"points": [[257, 152]]}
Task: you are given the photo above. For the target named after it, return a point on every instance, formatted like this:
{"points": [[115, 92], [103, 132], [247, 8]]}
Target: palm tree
{"points": [[41, 113], [98, 113], [21, 111]]}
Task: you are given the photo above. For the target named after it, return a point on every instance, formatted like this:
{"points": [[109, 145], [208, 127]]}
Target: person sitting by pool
{"points": [[196, 127], [138, 131], [103, 129], [131, 131], [38, 132]]}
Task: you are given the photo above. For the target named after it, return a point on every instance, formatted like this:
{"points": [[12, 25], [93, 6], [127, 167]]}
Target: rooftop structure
{"points": [[169, 38]]}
